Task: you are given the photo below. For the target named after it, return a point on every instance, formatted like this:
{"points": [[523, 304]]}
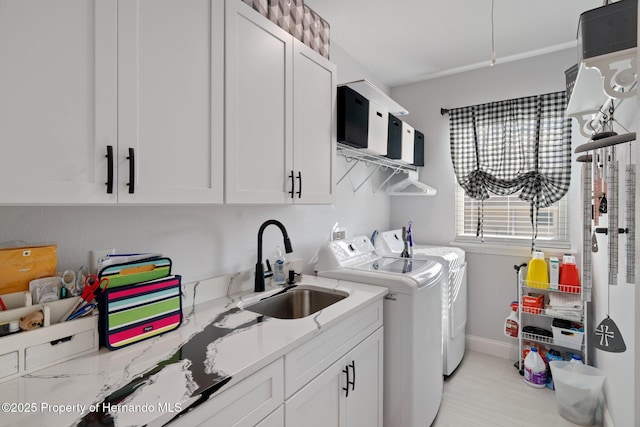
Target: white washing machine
{"points": [[454, 291], [412, 325]]}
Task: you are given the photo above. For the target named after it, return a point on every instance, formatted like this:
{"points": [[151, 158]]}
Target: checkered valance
{"points": [[515, 145]]}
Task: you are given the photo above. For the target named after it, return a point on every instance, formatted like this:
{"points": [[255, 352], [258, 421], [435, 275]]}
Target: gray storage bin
{"points": [[608, 29], [259, 5], [394, 139], [288, 15], [571, 74], [418, 149], [353, 117], [315, 32]]}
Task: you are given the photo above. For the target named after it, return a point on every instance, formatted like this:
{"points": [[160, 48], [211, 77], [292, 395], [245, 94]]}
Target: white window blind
{"points": [[507, 221]]}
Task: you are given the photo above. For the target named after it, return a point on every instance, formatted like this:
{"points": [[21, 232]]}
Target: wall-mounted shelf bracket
{"points": [[355, 190], [394, 173], [618, 71], [600, 79], [588, 121], [357, 155]]}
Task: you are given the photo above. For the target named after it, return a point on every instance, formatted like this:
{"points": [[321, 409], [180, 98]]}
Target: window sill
{"points": [[502, 249]]}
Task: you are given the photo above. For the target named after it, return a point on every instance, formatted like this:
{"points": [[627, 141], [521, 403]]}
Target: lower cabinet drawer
{"points": [[310, 359], [243, 404], [28, 351], [8, 364], [58, 350]]}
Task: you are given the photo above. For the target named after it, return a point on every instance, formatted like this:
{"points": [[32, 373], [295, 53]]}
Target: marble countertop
{"points": [[151, 382]]}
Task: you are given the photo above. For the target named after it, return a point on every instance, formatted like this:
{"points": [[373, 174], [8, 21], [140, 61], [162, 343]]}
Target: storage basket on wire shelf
{"points": [[567, 333], [142, 300]]}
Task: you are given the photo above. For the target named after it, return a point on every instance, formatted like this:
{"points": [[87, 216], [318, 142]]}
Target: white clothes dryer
{"points": [[412, 325], [454, 291]]}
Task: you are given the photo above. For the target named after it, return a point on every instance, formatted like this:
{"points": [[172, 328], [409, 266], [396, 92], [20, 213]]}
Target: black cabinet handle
{"points": [[132, 171], [353, 369], [346, 389], [350, 382], [292, 192], [109, 157], [299, 185]]}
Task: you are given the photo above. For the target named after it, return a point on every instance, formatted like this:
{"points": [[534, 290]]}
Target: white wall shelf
{"points": [[600, 79], [372, 93]]}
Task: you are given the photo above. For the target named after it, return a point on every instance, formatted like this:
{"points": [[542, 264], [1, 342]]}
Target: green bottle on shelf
{"points": [[537, 273]]}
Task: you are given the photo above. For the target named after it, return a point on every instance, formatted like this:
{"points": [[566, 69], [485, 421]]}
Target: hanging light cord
{"points": [[493, 50]]}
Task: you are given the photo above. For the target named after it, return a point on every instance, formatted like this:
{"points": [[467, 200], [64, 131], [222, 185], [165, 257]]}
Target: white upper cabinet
{"points": [[83, 78], [314, 129], [258, 133], [279, 115], [160, 102], [170, 101], [57, 100]]}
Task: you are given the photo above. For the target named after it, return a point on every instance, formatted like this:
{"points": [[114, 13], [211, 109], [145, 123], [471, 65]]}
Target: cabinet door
{"points": [[364, 403], [248, 403], [325, 401], [57, 100], [276, 419], [170, 101], [258, 99], [314, 138], [318, 404]]}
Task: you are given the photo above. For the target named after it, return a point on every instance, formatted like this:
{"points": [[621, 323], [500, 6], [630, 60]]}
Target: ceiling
{"points": [[404, 41]]}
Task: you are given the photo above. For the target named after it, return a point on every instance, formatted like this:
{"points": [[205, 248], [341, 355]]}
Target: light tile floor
{"points": [[488, 391]]}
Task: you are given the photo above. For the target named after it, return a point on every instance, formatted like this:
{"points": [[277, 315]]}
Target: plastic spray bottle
{"points": [[279, 277], [511, 325]]}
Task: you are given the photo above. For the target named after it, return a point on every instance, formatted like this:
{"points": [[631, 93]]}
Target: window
{"points": [[507, 221], [512, 161]]}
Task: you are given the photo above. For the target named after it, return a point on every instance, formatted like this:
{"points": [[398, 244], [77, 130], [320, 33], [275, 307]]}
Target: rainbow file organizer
{"points": [[132, 313]]}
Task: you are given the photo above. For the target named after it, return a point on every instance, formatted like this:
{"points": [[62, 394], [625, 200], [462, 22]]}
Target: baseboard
{"points": [[492, 347]]}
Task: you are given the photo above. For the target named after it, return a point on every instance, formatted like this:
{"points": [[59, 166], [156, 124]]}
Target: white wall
{"points": [[349, 70], [205, 241], [492, 282]]}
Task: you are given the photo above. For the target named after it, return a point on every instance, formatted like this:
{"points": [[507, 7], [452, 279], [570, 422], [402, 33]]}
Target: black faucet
{"points": [[259, 282]]}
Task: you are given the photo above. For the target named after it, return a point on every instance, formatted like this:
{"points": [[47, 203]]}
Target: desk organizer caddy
{"points": [[142, 300], [55, 342]]}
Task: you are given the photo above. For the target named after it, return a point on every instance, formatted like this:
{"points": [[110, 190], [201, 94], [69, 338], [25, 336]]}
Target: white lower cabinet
{"points": [[363, 404], [348, 393], [247, 403], [334, 379], [275, 419]]}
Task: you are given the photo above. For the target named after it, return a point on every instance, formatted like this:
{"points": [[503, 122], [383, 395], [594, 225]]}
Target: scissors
{"points": [[93, 284]]}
